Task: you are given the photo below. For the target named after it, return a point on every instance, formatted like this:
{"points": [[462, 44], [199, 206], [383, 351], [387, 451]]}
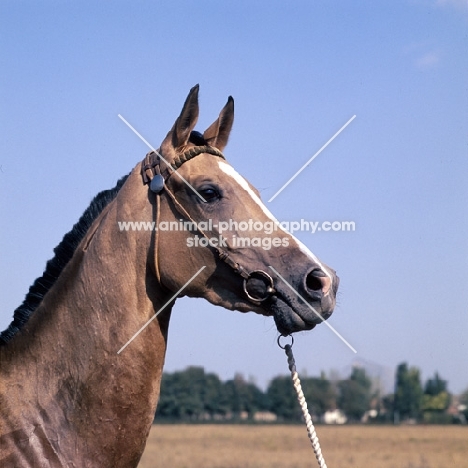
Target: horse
{"points": [[68, 396]]}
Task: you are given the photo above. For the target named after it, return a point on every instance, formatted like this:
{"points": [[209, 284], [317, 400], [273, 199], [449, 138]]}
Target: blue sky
{"points": [[297, 71]]}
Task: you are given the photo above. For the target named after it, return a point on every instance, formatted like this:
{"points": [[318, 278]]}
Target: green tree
{"points": [[190, 394], [387, 408], [435, 386], [243, 396], [435, 400], [464, 405], [354, 394], [408, 392], [439, 402], [319, 393], [283, 399]]}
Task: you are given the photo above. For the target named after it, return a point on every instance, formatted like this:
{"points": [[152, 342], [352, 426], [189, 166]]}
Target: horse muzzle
{"points": [[308, 304]]}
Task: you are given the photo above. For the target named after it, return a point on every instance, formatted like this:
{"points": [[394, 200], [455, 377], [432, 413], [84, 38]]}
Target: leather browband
{"points": [[155, 163]]}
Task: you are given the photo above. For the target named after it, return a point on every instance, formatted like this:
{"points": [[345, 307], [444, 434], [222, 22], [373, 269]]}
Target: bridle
{"points": [[156, 171]]}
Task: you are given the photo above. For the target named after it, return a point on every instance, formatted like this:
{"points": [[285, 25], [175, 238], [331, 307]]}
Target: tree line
{"points": [[195, 395]]}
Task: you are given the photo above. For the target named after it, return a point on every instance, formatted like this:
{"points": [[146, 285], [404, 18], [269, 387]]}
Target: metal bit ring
{"points": [[270, 290]]}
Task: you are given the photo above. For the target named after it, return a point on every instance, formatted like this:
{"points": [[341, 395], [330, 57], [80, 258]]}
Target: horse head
{"points": [[220, 223]]}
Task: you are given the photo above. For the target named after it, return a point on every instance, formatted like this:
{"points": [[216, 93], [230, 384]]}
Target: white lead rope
{"points": [[303, 404]]}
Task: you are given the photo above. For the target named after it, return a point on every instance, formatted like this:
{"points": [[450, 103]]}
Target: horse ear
{"points": [[186, 120], [180, 132], [217, 134]]}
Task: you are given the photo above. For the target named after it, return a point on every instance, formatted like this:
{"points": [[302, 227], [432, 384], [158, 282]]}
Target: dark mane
{"points": [[63, 253]]}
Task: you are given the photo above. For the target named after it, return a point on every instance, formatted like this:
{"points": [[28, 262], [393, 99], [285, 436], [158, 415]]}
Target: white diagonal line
{"points": [[160, 310], [156, 151], [135, 132], [312, 158], [316, 313]]}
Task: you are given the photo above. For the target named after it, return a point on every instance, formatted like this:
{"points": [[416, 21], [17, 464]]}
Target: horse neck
{"points": [[66, 357]]}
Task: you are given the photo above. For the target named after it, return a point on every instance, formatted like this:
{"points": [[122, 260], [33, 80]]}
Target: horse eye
{"points": [[209, 194]]}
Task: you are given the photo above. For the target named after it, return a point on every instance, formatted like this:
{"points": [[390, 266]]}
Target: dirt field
{"points": [[224, 446]]}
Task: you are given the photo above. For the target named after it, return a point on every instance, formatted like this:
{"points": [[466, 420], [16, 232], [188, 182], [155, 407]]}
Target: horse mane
{"points": [[54, 267]]}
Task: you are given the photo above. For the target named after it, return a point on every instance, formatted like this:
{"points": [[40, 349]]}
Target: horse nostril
{"points": [[313, 282], [317, 280]]}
